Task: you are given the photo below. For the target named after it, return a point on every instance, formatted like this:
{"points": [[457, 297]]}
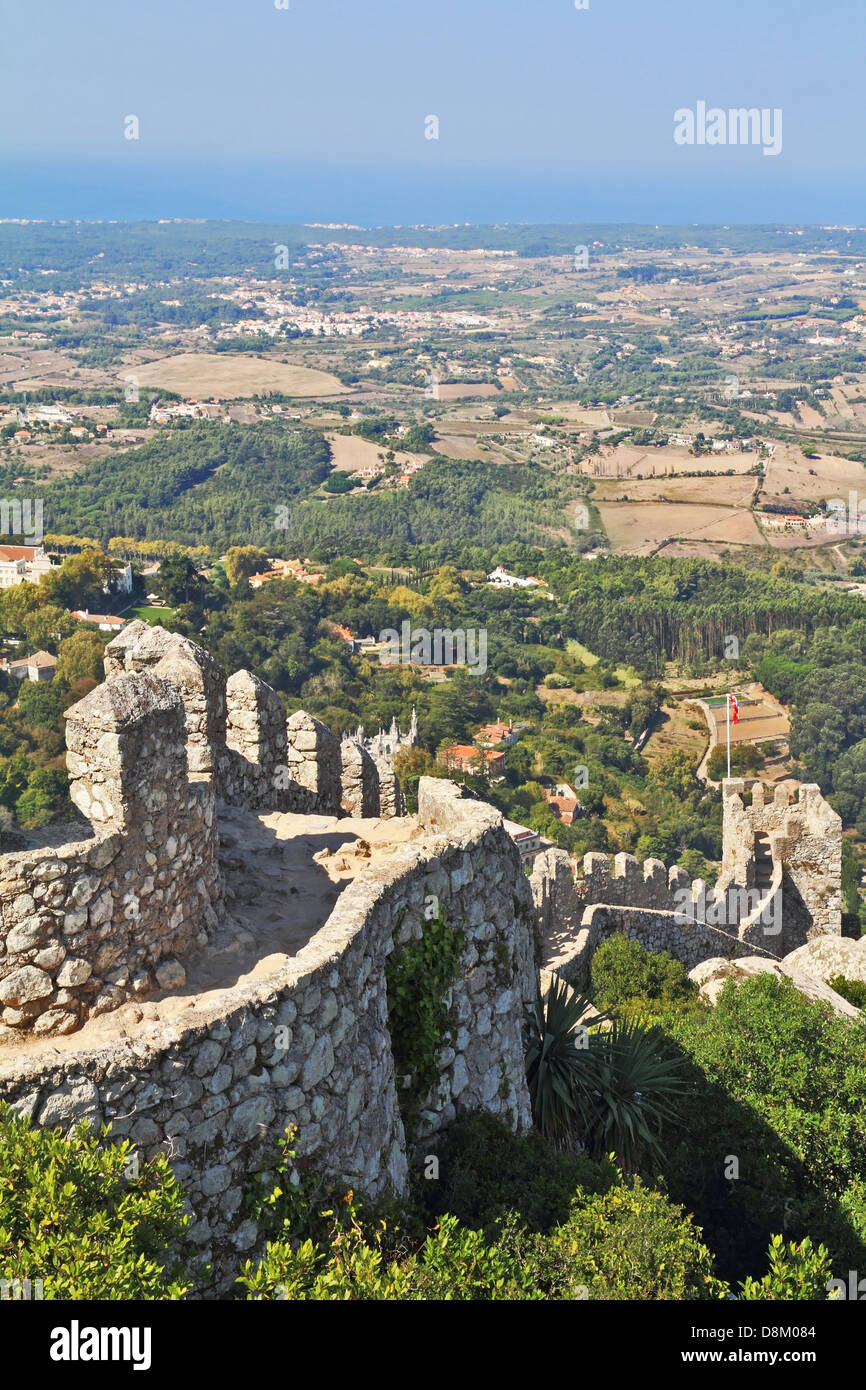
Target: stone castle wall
{"points": [[314, 766], [310, 1044], [91, 919], [99, 918], [561, 896], [87, 923], [744, 913], [805, 841], [655, 929], [238, 735]]}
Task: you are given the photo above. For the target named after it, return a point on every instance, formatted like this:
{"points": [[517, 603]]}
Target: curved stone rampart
{"points": [[779, 886], [309, 1045]]}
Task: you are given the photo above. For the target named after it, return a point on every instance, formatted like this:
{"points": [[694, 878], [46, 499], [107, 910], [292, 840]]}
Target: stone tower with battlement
{"points": [[780, 886], [786, 841]]}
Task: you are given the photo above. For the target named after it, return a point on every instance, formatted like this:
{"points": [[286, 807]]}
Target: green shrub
{"points": [[623, 972], [797, 1064], [852, 990], [627, 1243], [419, 976], [451, 1264], [70, 1216], [778, 1083], [840, 1221], [284, 1201], [532, 1224], [797, 1271]]}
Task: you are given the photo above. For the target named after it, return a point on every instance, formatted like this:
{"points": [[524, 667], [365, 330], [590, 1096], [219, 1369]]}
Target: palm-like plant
{"points": [[613, 1090], [555, 1041], [628, 1091]]}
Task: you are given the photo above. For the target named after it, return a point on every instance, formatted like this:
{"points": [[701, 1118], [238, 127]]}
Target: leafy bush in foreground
{"points": [[70, 1216], [797, 1272], [485, 1171], [452, 1263], [629, 1242]]}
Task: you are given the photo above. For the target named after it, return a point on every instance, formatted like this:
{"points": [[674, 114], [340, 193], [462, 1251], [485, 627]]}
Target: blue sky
{"points": [[545, 111]]}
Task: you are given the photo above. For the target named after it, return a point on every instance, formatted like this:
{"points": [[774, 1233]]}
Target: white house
{"points": [[22, 564], [512, 581], [106, 622]]}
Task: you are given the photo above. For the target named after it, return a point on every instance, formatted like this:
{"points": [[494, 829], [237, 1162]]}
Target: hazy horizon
{"points": [[401, 197], [396, 114]]}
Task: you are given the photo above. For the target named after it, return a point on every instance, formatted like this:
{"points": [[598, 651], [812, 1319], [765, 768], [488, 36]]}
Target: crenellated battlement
{"points": [[795, 840], [112, 914], [780, 886], [207, 959], [623, 879], [619, 880]]}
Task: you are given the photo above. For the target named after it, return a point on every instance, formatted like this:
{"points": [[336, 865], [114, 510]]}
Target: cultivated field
{"points": [[840, 400], [828, 475], [811, 419], [672, 734], [227, 375], [591, 702], [29, 369], [629, 461], [722, 491], [471, 447], [349, 453], [580, 415], [640, 528], [458, 391], [63, 459]]}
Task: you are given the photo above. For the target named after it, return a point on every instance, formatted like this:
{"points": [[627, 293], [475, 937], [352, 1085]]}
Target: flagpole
{"points": [[728, 712]]}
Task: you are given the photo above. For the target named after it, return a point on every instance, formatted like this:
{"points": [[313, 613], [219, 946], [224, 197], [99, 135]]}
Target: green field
{"points": [[154, 616], [626, 674]]}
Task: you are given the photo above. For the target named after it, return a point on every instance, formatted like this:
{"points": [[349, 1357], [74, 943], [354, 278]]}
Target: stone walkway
{"points": [[283, 875]]}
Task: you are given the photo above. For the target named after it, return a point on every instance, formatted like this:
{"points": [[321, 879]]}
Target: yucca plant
{"points": [[627, 1090], [556, 1043], [611, 1090]]}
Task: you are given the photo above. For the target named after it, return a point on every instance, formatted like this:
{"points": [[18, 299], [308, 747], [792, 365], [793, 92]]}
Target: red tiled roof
{"points": [[17, 552], [466, 751], [496, 730], [112, 618]]}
